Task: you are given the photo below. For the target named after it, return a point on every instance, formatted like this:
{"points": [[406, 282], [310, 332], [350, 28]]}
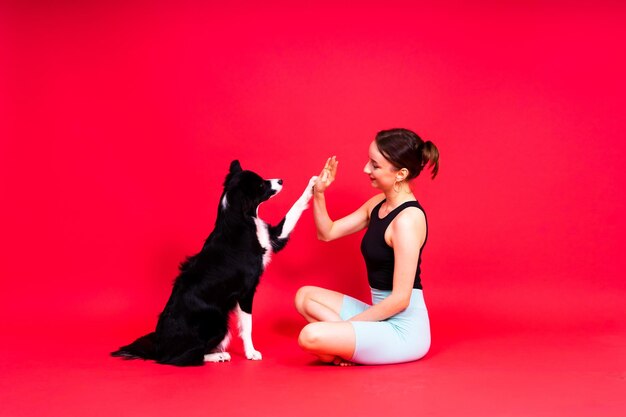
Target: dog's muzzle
{"points": [[277, 185]]}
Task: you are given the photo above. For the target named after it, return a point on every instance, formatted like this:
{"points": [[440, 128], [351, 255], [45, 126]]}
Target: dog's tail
{"points": [[142, 348]]}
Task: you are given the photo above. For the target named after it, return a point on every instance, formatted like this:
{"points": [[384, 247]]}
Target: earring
{"points": [[399, 188]]}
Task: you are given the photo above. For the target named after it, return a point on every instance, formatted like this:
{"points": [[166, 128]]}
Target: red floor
{"points": [[117, 123], [480, 364]]}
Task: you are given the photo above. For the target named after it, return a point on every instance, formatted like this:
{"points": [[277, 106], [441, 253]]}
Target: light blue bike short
{"points": [[404, 337]]}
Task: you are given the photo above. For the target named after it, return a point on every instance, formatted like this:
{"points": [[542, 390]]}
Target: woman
{"points": [[395, 328]]}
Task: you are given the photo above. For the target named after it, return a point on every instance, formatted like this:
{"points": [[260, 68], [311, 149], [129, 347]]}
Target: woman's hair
{"points": [[405, 149]]}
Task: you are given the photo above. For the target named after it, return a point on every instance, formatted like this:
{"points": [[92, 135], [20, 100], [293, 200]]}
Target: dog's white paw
{"points": [[308, 192], [254, 355], [217, 357]]}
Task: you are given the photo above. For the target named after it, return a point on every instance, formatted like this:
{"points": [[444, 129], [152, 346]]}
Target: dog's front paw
{"points": [[308, 192], [217, 357], [253, 355]]}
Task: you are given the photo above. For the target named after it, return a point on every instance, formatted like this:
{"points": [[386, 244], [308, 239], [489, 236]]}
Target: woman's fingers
{"points": [[331, 167], [327, 176], [326, 167]]}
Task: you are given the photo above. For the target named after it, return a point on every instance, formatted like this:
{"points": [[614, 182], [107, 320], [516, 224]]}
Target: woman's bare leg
{"points": [[319, 304], [332, 342]]}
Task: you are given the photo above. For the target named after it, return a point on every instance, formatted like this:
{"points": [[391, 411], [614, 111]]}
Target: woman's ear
{"points": [[402, 174]]}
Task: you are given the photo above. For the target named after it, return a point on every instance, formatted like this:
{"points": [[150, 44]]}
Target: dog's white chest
{"points": [[263, 236]]}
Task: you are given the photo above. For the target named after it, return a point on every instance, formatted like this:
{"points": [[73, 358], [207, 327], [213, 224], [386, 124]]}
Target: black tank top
{"points": [[378, 255]]}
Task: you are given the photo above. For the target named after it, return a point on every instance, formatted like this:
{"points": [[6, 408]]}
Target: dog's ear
{"points": [[235, 167]]}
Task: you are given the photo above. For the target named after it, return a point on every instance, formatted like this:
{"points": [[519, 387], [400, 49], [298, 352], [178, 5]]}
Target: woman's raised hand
{"points": [[327, 176]]}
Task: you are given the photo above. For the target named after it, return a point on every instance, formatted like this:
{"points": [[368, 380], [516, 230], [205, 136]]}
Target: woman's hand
{"points": [[327, 176]]}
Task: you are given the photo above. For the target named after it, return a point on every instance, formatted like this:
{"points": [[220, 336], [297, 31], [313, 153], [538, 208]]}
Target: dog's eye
{"points": [[261, 185]]}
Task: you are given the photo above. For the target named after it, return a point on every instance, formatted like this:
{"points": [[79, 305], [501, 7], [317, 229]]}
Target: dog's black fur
{"points": [[211, 283]]}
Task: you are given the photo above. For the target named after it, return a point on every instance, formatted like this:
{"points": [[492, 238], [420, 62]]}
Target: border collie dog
{"points": [[221, 278]]}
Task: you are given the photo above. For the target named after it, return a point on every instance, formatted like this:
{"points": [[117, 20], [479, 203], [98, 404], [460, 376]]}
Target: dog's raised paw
{"points": [[308, 192], [217, 357], [254, 355]]}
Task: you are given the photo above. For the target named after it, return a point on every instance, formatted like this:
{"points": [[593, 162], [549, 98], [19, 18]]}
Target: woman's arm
{"points": [[408, 232], [327, 229]]}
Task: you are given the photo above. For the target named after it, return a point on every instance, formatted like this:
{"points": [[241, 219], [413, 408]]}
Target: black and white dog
{"points": [[193, 327]]}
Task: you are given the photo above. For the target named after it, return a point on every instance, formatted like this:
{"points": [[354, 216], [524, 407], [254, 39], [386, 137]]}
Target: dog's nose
{"points": [[280, 182]]}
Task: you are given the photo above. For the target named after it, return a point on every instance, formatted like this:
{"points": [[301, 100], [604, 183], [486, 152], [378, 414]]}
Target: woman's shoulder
{"points": [[376, 199], [410, 216], [373, 202]]}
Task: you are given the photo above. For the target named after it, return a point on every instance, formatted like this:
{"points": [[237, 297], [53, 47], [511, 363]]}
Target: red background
{"points": [[119, 121]]}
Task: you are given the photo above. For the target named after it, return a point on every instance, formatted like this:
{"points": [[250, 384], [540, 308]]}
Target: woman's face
{"points": [[381, 172]]}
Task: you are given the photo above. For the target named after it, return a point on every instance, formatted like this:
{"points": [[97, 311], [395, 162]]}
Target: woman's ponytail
{"points": [[430, 157]]}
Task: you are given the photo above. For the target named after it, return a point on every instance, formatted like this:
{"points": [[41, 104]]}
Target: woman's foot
{"points": [[335, 360], [342, 362]]}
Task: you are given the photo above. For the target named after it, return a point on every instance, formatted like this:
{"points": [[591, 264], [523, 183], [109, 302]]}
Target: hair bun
{"points": [[405, 149]]}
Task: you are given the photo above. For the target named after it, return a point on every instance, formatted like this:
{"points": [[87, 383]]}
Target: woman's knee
{"points": [[310, 337], [302, 295], [335, 339]]}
